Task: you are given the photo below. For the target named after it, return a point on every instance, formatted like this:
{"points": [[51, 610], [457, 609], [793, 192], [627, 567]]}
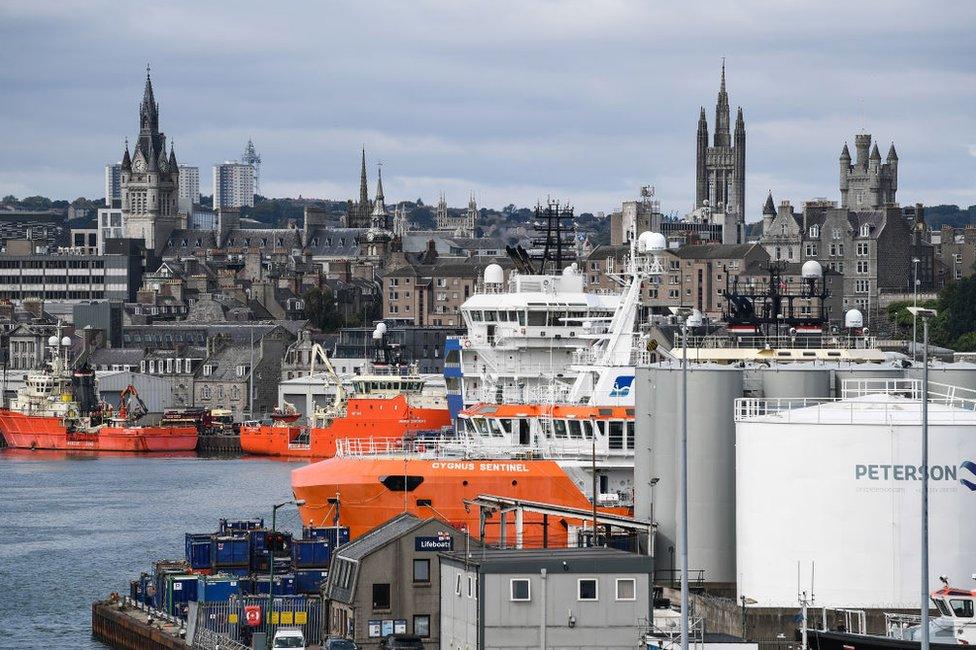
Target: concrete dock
{"points": [[118, 624]]}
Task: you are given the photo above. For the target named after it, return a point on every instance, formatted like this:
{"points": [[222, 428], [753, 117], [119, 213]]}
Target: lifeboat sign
{"points": [[252, 615], [434, 543]]}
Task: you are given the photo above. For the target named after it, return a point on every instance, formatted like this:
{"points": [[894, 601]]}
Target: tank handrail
{"points": [[843, 410], [911, 388]]}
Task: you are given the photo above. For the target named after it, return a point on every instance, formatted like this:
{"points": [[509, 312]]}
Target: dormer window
{"points": [[865, 230], [208, 370], [815, 232]]}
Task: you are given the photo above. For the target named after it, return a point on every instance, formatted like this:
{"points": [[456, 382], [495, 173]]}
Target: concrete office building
{"points": [[544, 598], [233, 185], [388, 581], [188, 193], [113, 185]]}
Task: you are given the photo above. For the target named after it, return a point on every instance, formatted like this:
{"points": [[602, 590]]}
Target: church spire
{"points": [[363, 208], [126, 158], [722, 113], [379, 207]]}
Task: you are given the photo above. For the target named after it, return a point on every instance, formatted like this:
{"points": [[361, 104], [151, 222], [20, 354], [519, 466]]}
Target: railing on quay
{"points": [[221, 622]]}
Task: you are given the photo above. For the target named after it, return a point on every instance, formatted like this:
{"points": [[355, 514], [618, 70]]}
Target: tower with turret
{"points": [[866, 183], [721, 166], [150, 180]]}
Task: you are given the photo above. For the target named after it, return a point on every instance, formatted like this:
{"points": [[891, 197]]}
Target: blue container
{"points": [[219, 588], [145, 582], [260, 555], [283, 585], [198, 550], [310, 581], [135, 590], [180, 590], [282, 565], [312, 553], [337, 535], [229, 551], [156, 592], [239, 571], [235, 526]]}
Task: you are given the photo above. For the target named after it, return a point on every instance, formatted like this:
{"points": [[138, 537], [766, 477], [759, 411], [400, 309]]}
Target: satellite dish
{"points": [[494, 274], [811, 270], [53, 341], [651, 242], [853, 319]]}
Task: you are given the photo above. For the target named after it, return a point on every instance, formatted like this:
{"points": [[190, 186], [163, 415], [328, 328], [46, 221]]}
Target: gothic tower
{"points": [[721, 168], [150, 180], [359, 214], [379, 217]]}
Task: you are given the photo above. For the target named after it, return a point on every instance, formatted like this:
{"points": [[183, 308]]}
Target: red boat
{"points": [[59, 409]]}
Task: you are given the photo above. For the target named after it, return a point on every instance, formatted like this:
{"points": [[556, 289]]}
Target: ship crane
{"points": [[125, 399], [339, 403]]}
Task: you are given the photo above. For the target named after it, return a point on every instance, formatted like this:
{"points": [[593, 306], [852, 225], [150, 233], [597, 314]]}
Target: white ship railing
{"points": [[774, 341], [531, 394], [466, 448], [865, 401]]}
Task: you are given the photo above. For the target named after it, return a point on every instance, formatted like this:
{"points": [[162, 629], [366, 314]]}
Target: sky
{"points": [[514, 101]]}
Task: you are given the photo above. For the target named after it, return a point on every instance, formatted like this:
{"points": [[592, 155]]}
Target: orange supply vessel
{"points": [[383, 406], [59, 409]]}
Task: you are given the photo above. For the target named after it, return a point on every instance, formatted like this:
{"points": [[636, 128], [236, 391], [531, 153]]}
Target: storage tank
{"points": [[848, 371], [795, 380], [712, 390], [952, 374], [837, 486]]}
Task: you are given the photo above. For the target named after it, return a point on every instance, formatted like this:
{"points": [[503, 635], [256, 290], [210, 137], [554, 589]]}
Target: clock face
{"points": [[139, 165]]}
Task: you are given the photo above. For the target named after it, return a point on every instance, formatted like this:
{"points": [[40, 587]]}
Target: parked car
{"points": [[338, 643], [402, 642], [291, 638]]}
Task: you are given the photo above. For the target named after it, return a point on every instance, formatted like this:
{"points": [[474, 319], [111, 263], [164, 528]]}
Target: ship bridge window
{"points": [[961, 608], [401, 482], [537, 318], [616, 434], [491, 315], [480, 426], [476, 315], [559, 428], [575, 429], [941, 606], [496, 427], [521, 318], [587, 429]]}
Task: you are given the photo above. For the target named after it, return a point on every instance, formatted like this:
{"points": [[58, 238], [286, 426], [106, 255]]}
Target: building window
{"points": [[381, 595], [815, 232], [626, 589], [421, 570], [457, 585], [421, 625], [470, 586], [520, 591], [586, 589]]}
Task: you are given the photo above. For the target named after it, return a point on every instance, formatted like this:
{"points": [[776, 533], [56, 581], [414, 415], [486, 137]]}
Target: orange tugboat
{"points": [[59, 409], [389, 406]]}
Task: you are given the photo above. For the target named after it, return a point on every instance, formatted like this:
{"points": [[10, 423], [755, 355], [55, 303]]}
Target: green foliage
{"points": [[966, 343], [952, 215], [10, 198]]}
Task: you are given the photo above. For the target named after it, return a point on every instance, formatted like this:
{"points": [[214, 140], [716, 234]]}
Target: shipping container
{"points": [[198, 550], [219, 588], [312, 553], [239, 571], [146, 583], [135, 590], [282, 565], [310, 581], [337, 535], [229, 551], [156, 592], [260, 555], [234, 526], [283, 585], [180, 590]]}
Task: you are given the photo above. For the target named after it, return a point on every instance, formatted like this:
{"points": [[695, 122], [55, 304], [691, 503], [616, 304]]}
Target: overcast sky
{"points": [[584, 101]]}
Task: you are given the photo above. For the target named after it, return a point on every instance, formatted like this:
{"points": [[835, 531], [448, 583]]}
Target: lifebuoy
{"points": [[467, 343]]}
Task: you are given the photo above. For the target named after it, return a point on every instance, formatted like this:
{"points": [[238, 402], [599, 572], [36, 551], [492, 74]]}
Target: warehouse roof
{"points": [[571, 560]]}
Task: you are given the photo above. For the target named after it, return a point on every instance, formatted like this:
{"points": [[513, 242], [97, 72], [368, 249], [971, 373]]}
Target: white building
{"points": [[113, 184], [109, 226], [233, 185], [189, 191]]}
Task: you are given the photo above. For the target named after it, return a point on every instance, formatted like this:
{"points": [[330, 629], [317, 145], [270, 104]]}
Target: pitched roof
{"points": [[714, 251]]}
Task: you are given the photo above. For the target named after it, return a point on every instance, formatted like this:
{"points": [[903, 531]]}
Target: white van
{"points": [[289, 637]]}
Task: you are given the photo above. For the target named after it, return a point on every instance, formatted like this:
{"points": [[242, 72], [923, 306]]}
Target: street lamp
{"points": [[926, 314], [745, 601], [274, 530], [693, 320], [915, 262]]}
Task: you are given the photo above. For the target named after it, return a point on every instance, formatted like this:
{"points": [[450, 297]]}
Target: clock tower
{"points": [[150, 180]]}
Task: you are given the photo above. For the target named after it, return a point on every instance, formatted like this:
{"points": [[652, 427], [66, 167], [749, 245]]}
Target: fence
{"points": [[228, 620]]}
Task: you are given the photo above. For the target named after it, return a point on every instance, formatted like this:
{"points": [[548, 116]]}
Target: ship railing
{"points": [[898, 625], [775, 341], [854, 620], [458, 447], [532, 394]]}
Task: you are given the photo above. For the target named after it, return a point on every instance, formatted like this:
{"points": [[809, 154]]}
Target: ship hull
{"points": [[365, 418], [824, 640], [369, 493], [40, 432]]}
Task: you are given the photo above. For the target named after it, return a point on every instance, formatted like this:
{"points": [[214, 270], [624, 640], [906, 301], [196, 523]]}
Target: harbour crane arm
{"points": [[319, 353]]}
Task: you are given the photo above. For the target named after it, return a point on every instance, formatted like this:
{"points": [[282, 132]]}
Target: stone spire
{"points": [[892, 154], [126, 158], [875, 154], [722, 114], [172, 156], [149, 109], [845, 153], [379, 207], [363, 211], [769, 207]]}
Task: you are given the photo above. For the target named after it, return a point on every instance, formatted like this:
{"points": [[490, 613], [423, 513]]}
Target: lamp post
{"points": [[274, 529], [693, 320], [745, 601], [915, 262], [926, 314]]}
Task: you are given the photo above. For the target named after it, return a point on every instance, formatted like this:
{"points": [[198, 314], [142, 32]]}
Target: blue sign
{"points": [[621, 387], [434, 543]]}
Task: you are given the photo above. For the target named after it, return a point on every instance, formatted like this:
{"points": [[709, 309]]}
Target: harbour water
{"points": [[74, 529]]}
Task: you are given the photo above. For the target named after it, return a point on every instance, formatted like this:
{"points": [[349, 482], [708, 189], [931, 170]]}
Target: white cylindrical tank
{"points": [[837, 486], [712, 391], [953, 374]]}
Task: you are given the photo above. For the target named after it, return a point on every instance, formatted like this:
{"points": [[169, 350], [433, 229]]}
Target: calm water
{"points": [[73, 530]]}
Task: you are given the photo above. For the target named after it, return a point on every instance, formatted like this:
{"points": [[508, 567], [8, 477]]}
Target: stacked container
{"points": [[219, 588], [198, 551], [230, 553], [283, 585]]}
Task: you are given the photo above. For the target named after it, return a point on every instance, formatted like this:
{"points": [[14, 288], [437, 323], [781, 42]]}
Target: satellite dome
{"points": [[377, 335], [570, 270], [381, 327], [853, 319], [494, 274], [651, 242], [66, 341], [53, 341], [695, 319], [811, 270]]}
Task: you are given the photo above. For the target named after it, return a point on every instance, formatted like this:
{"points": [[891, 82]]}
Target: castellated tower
{"points": [[867, 183]]}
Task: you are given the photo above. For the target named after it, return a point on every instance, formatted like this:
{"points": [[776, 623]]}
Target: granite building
{"points": [[867, 184]]}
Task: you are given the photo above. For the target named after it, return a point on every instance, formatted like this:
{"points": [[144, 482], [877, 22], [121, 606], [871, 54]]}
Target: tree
{"points": [[10, 198]]}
